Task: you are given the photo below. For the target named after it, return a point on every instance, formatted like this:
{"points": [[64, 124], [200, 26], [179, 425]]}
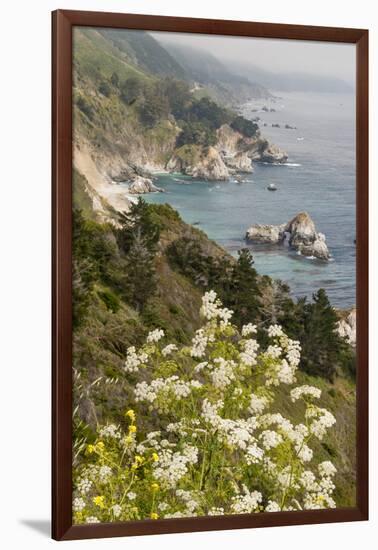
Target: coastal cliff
{"points": [[132, 119]]}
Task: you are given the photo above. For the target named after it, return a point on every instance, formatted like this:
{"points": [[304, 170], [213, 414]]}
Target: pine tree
{"points": [[323, 349], [138, 238], [243, 294], [138, 222]]}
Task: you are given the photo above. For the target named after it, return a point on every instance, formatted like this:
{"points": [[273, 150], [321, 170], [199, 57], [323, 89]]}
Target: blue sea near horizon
{"points": [[319, 178]]}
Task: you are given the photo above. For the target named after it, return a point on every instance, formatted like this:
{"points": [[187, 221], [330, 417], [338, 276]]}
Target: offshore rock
{"points": [[298, 234]]}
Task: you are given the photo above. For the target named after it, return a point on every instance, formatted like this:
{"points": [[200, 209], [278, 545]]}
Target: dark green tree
{"points": [[179, 97], [245, 126], [114, 79], [153, 106], [243, 293], [208, 112], [138, 238], [104, 88], [323, 349], [131, 90], [196, 133]]}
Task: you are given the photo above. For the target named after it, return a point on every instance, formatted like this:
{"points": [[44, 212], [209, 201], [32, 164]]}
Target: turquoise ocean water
{"points": [[319, 178]]}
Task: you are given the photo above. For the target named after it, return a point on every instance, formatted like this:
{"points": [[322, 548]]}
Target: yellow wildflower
{"points": [[155, 486], [90, 449], [132, 429], [154, 515], [100, 446], [131, 414], [138, 460], [99, 501], [155, 457], [128, 440]]}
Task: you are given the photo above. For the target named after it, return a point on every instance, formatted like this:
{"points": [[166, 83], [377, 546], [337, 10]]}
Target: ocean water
{"points": [[319, 178]]}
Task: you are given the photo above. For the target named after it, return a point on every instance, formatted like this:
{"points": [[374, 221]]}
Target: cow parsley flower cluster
{"points": [[155, 335], [203, 430], [134, 360]]}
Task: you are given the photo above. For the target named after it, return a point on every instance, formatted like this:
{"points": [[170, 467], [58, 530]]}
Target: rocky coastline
{"points": [[233, 153], [298, 234]]}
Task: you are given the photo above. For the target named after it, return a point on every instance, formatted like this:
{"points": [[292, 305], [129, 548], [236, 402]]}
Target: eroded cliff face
{"points": [[199, 162], [232, 153]]}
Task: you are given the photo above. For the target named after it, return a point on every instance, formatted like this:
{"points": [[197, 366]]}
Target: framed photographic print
{"points": [[210, 274]]}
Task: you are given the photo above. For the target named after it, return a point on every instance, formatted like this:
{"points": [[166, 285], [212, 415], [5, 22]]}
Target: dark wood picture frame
{"points": [[62, 24]]}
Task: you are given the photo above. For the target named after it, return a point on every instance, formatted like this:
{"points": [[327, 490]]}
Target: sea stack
{"points": [[142, 185], [298, 234]]}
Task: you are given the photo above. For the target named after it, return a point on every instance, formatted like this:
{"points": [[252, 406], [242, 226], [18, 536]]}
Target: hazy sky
{"points": [[282, 56]]}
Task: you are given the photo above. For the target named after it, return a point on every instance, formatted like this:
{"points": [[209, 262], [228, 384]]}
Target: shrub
{"points": [[244, 126], [104, 88], [110, 300], [204, 435]]}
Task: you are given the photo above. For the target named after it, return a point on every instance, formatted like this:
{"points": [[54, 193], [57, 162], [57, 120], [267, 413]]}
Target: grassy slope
{"points": [[101, 343]]}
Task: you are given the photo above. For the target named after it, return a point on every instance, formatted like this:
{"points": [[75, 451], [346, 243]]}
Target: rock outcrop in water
{"points": [[232, 143], [273, 155], [232, 153], [298, 234], [202, 163], [142, 185]]}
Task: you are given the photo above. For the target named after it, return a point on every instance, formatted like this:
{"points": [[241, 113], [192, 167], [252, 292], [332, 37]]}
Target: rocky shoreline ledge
{"points": [[298, 234], [233, 153]]}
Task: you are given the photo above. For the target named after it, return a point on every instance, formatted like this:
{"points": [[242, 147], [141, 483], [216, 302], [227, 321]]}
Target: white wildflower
{"points": [[301, 391], [216, 511], [270, 439], [249, 329], [104, 474], [111, 430], [84, 485], [134, 360], [169, 349], [78, 504], [257, 404], [272, 506], [246, 503], [326, 468], [155, 335], [249, 355], [92, 519], [117, 510], [275, 331]]}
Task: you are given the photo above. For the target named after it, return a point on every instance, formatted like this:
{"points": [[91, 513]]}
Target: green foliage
{"points": [[153, 106], [242, 294], [244, 126], [131, 90], [196, 133], [208, 112], [137, 222], [236, 283], [114, 79], [110, 300], [138, 238], [85, 106], [178, 95], [192, 437], [322, 347], [91, 252], [104, 88]]}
